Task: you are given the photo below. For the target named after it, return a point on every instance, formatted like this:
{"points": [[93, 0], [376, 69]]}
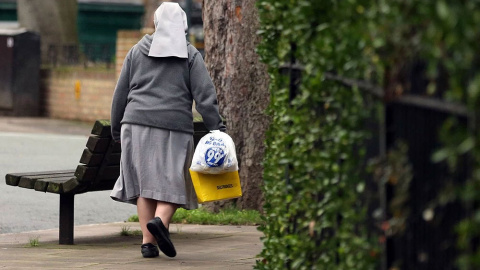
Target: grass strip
{"points": [[229, 216]]}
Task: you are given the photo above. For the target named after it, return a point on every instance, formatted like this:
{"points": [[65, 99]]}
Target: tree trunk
{"points": [[150, 8], [54, 20], [242, 85]]}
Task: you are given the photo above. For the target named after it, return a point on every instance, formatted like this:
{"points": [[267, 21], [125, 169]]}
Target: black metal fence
{"points": [[86, 55], [427, 238]]}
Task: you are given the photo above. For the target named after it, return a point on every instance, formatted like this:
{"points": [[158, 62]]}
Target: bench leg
{"points": [[66, 219]]}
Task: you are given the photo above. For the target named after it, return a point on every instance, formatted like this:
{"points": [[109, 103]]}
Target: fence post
{"points": [[294, 71]]}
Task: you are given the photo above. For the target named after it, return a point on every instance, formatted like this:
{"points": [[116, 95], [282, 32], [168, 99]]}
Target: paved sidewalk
{"points": [[102, 247], [44, 125]]}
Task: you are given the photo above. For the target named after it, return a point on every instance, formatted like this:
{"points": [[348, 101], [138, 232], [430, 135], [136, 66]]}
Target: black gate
{"points": [[428, 240]]}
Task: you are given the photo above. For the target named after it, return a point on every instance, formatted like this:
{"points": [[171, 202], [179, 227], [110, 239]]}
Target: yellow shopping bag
{"points": [[215, 187]]}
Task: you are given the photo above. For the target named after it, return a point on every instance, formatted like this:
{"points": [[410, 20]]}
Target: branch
{"points": [[363, 85], [414, 100], [433, 104]]}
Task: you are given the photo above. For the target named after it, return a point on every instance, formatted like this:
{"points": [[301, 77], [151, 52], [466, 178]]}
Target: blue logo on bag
{"points": [[214, 156]]}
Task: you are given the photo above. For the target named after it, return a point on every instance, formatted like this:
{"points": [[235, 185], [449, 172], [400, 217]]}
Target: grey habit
{"points": [[154, 164], [152, 113]]}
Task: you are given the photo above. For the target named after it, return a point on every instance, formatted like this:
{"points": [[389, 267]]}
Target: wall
{"points": [[125, 41], [77, 94], [82, 94]]}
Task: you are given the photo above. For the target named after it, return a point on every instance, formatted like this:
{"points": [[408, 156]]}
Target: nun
{"points": [[152, 118]]}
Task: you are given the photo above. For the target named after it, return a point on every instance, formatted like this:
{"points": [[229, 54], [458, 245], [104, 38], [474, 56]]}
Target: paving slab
{"points": [[43, 125], [42, 144], [101, 246]]}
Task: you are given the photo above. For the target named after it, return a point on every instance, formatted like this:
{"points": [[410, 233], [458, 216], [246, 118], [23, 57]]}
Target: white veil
{"points": [[170, 27]]}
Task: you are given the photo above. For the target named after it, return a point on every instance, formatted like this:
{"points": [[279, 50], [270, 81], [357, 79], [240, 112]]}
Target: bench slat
{"points": [[98, 145], [117, 148], [102, 128], [29, 181], [114, 159], [67, 185], [91, 159], [12, 179], [52, 175], [73, 186], [55, 186], [104, 185], [88, 174], [42, 184], [199, 126], [85, 174]]}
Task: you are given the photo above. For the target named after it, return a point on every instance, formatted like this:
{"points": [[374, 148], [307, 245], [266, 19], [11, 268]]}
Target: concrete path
{"points": [[40, 144], [40, 125], [102, 247]]}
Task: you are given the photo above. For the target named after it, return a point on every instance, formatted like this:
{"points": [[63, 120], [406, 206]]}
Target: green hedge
{"points": [[314, 214], [315, 220]]}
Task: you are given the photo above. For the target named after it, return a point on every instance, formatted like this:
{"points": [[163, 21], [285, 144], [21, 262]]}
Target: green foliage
{"points": [[314, 140], [444, 34], [227, 216], [394, 170], [314, 215], [448, 42], [127, 231], [133, 218], [34, 241]]}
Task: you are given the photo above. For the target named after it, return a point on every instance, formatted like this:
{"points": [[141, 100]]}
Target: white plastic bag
{"points": [[215, 154]]}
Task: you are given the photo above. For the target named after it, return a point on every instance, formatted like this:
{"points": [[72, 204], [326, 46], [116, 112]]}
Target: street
{"points": [[27, 210]]}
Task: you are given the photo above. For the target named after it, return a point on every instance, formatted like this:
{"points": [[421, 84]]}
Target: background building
{"points": [[98, 22]]}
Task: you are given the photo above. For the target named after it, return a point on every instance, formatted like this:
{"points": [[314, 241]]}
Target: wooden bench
{"points": [[99, 169]]}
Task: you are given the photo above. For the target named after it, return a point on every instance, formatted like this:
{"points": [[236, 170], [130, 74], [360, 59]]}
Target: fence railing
{"points": [[427, 239]]}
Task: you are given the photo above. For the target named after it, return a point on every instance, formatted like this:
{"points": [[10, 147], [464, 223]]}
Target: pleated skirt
{"points": [[154, 164]]}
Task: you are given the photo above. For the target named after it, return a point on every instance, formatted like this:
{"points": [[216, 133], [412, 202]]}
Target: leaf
{"points": [[442, 10], [283, 161], [440, 155], [360, 187], [467, 145], [322, 27]]}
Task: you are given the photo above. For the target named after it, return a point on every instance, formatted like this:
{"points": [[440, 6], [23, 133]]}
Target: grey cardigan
{"points": [[159, 92]]}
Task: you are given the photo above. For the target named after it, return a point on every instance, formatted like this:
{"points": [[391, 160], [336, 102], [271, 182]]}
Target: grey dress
{"points": [[154, 164], [152, 117]]}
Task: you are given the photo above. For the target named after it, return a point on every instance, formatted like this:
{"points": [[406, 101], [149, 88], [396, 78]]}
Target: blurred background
{"points": [[76, 48]]}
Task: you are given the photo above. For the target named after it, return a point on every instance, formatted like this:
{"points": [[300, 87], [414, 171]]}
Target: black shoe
{"points": [[161, 234], [149, 250]]}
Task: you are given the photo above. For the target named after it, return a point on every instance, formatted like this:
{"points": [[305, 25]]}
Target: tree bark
{"points": [[150, 8], [54, 20], [242, 86]]}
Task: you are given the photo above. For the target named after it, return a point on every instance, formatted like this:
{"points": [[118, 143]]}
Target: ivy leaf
{"points": [[283, 161], [440, 155], [322, 27], [360, 187], [466, 145], [442, 10]]}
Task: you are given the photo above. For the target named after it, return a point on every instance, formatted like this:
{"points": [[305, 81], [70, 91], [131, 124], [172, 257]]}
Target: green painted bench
{"points": [[98, 170]]}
